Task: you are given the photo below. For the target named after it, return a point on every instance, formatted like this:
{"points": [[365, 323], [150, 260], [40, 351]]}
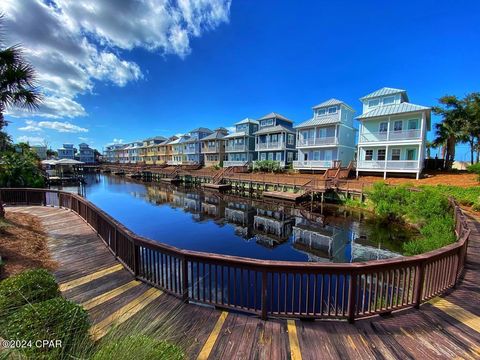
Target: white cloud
{"points": [[64, 127], [30, 125], [73, 43], [32, 140]]}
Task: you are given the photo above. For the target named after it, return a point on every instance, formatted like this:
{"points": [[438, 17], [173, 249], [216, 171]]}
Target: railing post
{"points": [[351, 297], [185, 279], [264, 295], [136, 258], [419, 285]]}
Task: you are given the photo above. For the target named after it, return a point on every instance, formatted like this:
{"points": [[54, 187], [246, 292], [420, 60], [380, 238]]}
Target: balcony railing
{"points": [[312, 164], [390, 136], [331, 140], [270, 145], [192, 150], [388, 164], [236, 147], [234, 163], [211, 149]]}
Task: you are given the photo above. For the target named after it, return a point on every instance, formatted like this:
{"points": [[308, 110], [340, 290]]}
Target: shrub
{"points": [[54, 319], [474, 168], [137, 347], [30, 286], [267, 166]]}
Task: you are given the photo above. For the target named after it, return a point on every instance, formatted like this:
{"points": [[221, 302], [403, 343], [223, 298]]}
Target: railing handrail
{"points": [[266, 266]]}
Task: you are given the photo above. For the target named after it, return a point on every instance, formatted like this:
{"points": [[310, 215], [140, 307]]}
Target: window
{"points": [[373, 102], [413, 124], [388, 100], [278, 156], [395, 154], [398, 125], [383, 127], [305, 156], [332, 110], [290, 139], [267, 122], [381, 154], [368, 154], [289, 156], [274, 138], [270, 156], [411, 154], [316, 155], [321, 112]]}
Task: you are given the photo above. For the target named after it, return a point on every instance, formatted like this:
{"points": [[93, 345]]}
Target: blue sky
{"points": [[247, 58]]}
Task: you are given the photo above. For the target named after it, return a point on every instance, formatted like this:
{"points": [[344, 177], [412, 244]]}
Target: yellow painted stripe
{"points": [[457, 312], [102, 298], [295, 352], [99, 330], [87, 278], [208, 346]]}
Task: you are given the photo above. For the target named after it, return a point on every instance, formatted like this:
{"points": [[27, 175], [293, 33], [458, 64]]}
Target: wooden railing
{"points": [[269, 288]]}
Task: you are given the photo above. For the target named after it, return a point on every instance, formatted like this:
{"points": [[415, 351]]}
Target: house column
{"points": [[388, 129], [386, 158]]}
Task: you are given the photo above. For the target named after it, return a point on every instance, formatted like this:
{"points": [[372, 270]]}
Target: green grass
{"points": [[427, 209], [28, 287]]}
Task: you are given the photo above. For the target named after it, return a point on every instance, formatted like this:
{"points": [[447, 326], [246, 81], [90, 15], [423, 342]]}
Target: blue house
{"points": [[275, 139], [192, 149], [240, 145]]}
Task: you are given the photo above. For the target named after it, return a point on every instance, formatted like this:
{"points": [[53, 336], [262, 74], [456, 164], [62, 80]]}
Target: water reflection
{"points": [[209, 221]]}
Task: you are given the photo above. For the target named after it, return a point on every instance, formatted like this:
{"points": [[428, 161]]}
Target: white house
{"points": [[327, 139], [392, 133]]}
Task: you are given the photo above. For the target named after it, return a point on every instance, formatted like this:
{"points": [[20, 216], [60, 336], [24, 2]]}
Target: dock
{"points": [[171, 181], [283, 195], [217, 186]]}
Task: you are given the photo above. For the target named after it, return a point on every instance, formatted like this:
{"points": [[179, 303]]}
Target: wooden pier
{"points": [[217, 186], [282, 195]]}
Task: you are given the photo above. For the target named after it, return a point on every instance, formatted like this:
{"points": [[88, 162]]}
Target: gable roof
{"points": [[274, 129], [201, 129], [319, 120], [217, 134], [385, 91], [332, 102], [274, 115], [393, 109], [247, 121]]}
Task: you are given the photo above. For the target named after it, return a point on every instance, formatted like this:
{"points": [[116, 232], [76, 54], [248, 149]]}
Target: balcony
{"points": [[190, 150], [235, 163], [211, 149], [276, 145], [236, 147], [320, 141], [313, 164], [388, 165], [390, 136]]}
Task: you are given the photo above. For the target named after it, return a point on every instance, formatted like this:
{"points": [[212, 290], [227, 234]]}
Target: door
{"points": [[411, 154]]}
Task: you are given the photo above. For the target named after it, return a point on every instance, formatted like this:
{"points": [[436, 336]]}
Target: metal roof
{"points": [[236, 134], [393, 109], [274, 115], [319, 121], [385, 91], [332, 102], [247, 121], [273, 129], [201, 129], [217, 134]]}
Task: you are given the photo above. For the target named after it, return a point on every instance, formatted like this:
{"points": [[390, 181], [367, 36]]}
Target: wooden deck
{"points": [[217, 186], [283, 195], [445, 328]]}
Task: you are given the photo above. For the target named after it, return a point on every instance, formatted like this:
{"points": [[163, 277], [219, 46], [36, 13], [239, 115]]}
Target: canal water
{"points": [[226, 223]]}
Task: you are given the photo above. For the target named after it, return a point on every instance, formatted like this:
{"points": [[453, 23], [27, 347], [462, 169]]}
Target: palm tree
{"points": [[17, 86], [451, 129], [472, 126]]}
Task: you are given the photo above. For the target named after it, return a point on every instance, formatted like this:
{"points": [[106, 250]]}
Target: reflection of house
{"points": [[241, 215], [272, 227], [213, 206], [159, 195]]}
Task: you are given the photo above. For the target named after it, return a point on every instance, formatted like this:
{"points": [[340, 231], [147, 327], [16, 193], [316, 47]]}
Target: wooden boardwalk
{"points": [[445, 328]]}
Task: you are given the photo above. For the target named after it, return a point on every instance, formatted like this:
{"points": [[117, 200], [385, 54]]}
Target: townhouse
{"points": [[213, 147], [178, 145], [392, 133], [275, 139], [67, 151], [240, 145], [327, 139], [86, 154], [165, 150], [192, 148]]}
